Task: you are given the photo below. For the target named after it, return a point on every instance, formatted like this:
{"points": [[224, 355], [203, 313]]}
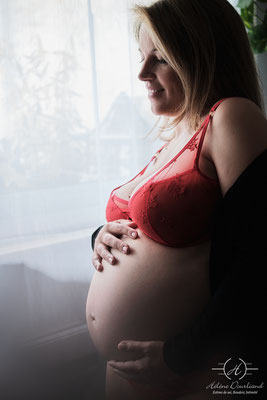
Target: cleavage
{"points": [[166, 154]]}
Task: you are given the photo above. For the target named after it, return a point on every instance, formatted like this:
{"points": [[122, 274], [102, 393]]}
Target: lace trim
{"points": [[193, 144]]}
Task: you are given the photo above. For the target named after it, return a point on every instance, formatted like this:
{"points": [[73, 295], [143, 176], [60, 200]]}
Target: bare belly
{"points": [[150, 294]]}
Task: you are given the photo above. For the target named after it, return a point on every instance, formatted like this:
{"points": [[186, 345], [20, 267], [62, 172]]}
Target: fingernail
{"points": [[111, 260], [125, 249], [134, 234]]}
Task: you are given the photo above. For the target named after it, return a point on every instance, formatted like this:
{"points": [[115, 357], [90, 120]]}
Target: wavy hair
{"points": [[206, 43]]}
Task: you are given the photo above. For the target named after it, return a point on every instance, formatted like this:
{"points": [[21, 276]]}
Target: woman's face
{"points": [[162, 82]]}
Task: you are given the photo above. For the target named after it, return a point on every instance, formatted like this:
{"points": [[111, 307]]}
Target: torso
{"points": [[153, 296], [156, 291]]}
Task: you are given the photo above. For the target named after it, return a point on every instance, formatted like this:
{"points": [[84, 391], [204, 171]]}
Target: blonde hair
{"points": [[206, 43]]}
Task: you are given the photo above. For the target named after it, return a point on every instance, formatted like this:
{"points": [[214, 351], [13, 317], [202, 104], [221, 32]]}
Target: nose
{"points": [[146, 73]]}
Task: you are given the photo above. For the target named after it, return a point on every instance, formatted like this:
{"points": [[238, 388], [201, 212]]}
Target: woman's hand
{"points": [[109, 237], [149, 369]]}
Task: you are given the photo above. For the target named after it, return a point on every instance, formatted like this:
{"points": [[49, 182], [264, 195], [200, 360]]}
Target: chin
{"points": [[162, 111]]}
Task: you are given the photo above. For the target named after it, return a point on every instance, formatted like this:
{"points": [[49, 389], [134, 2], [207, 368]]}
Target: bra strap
{"points": [[213, 108], [206, 123]]}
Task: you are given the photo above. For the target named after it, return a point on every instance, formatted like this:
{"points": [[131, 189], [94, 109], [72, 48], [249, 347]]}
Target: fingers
{"points": [[134, 377], [102, 251], [127, 222], [119, 228], [135, 370], [109, 238], [149, 368], [131, 367], [96, 260], [134, 346], [115, 243]]}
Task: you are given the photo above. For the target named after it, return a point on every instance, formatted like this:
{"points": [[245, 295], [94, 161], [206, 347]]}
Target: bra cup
{"points": [[113, 212], [176, 206], [177, 212]]}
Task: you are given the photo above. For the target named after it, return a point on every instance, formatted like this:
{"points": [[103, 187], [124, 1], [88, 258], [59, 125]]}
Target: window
{"points": [[73, 119]]}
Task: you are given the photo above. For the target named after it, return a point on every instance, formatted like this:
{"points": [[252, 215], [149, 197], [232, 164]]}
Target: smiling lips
{"points": [[154, 92]]}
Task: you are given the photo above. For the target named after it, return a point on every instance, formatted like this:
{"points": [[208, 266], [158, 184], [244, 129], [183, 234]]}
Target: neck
{"points": [[182, 129]]}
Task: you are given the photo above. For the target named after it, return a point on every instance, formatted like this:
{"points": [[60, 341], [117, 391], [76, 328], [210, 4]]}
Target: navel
{"points": [[92, 316]]}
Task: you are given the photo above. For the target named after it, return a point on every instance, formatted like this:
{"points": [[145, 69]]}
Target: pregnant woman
{"points": [[200, 74]]}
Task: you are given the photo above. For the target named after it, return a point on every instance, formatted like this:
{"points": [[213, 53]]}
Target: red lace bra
{"points": [[176, 205]]}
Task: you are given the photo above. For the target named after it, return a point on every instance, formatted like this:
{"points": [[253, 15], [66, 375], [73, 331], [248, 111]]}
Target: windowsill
{"points": [[19, 245]]}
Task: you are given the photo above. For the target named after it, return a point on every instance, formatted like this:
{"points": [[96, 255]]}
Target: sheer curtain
{"points": [[73, 119]]}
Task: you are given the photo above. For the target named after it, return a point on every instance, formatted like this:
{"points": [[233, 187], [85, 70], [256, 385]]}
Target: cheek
{"points": [[174, 94], [174, 86]]}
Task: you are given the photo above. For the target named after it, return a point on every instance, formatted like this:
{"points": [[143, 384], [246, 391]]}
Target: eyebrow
{"points": [[152, 51]]}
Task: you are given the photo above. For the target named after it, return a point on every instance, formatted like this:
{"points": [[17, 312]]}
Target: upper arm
{"points": [[238, 136]]}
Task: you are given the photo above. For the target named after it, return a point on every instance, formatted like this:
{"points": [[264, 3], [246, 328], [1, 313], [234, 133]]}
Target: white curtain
{"points": [[73, 120], [73, 117]]}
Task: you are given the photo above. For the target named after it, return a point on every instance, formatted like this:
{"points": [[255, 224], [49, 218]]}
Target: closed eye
{"points": [[161, 61], [158, 60]]}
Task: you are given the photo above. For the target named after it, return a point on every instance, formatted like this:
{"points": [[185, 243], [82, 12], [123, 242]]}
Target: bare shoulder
{"points": [[238, 134]]}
